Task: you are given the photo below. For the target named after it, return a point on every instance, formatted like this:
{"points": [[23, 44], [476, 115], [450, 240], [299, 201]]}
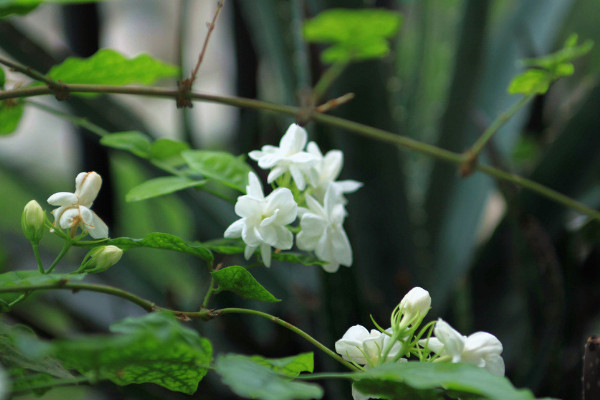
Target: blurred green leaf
{"points": [[11, 112], [426, 379], [226, 246], [219, 165], [354, 34], [250, 379], [26, 278], [133, 141], [530, 82], [154, 348], [155, 240], [238, 280], [168, 151], [291, 366], [297, 258], [108, 67], [160, 187], [568, 53], [15, 7], [2, 78]]}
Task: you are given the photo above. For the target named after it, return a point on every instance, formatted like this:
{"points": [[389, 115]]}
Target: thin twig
{"points": [[211, 27], [59, 89], [355, 127]]}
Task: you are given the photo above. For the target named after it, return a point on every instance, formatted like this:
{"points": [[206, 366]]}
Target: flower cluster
{"points": [[308, 189], [401, 341], [74, 208]]}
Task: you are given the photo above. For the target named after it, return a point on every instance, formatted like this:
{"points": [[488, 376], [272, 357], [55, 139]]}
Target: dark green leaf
{"points": [[250, 379], [291, 366], [220, 166], [355, 34], [28, 278], [238, 280], [155, 240], [155, 348], [133, 141], [11, 112], [168, 151], [161, 186], [398, 379], [108, 67], [2, 79], [226, 246], [297, 258], [12, 7]]}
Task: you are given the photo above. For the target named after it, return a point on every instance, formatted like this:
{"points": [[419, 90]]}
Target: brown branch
{"points": [[211, 27]]}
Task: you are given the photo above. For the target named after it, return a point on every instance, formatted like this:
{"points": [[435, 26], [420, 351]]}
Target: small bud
{"points": [[416, 302], [100, 259], [32, 221], [87, 186]]}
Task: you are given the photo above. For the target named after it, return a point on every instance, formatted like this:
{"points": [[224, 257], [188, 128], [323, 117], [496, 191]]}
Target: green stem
{"points": [[52, 384], [82, 122], [326, 375], [497, 124], [211, 290], [359, 129], [59, 257], [328, 78], [292, 328], [36, 252]]}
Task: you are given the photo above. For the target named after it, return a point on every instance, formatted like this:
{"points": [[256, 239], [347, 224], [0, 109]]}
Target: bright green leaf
{"points": [[291, 366], [132, 141], [11, 112], [250, 379], [423, 380], [160, 187], [530, 82], [238, 280], [155, 240], [565, 55], [10, 7], [108, 67], [2, 79], [155, 348], [220, 166], [355, 34], [168, 151]]}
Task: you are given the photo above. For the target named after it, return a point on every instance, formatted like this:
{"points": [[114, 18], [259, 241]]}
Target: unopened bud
{"points": [[32, 221], [100, 259], [416, 302]]}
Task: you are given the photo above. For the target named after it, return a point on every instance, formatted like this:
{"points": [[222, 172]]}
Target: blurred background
{"points": [[494, 257]]}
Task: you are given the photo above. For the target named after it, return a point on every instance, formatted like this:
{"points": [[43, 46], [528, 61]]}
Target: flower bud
{"points": [[100, 259], [416, 302], [32, 221]]}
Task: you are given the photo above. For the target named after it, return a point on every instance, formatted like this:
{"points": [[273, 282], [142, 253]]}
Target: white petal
{"points": [[285, 238], [254, 187], [313, 148], [249, 207], [298, 177], [332, 164], [98, 229], [235, 230], [265, 252], [87, 186], [348, 186], [433, 344], [313, 225], [282, 201], [315, 206], [302, 158], [495, 365], [331, 266], [483, 343], [453, 341], [341, 247], [248, 251], [294, 140], [275, 173], [63, 199], [69, 217]]}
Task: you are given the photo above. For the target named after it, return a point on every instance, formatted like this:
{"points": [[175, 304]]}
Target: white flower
{"points": [[322, 231], [416, 302], [481, 348], [74, 208], [264, 220], [326, 171], [289, 156], [364, 347]]}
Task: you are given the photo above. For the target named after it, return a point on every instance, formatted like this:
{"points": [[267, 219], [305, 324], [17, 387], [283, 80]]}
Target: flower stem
{"points": [[328, 78], [60, 255], [292, 328], [211, 290], [36, 252]]}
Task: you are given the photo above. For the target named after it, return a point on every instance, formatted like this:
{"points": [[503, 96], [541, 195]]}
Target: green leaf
{"points": [[2, 79], [238, 280], [12, 7], [11, 112], [250, 379], [108, 67], [155, 240], [220, 166], [28, 278], [530, 82], [155, 348], [168, 151], [226, 246], [355, 34], [568, 53], [161, 186], [291, 366], [297, 258], [423, 380], [132, 141]]}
